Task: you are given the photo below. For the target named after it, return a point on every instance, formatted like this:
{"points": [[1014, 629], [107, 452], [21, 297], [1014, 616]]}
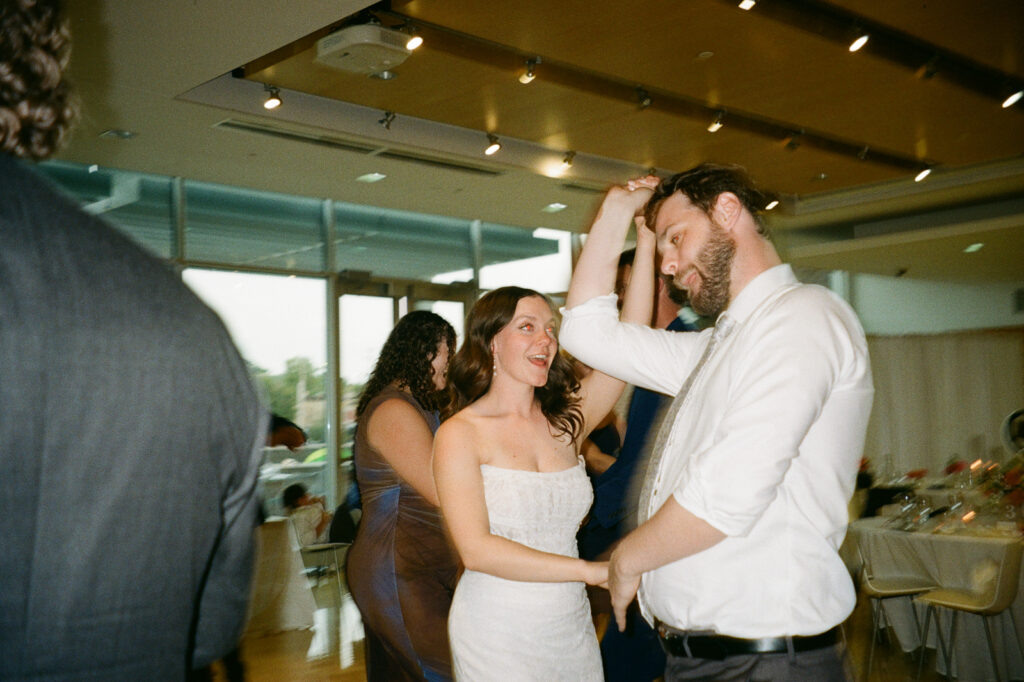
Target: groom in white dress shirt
{"points": [[744, 505]]}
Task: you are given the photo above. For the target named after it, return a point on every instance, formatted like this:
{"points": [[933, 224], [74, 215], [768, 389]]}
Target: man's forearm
{"points": [[671, 534]]}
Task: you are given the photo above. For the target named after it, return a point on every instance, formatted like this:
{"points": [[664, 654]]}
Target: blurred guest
{"points": [[633, 654], [309, 514], [123, 399], [285, 432], [401, 568]]}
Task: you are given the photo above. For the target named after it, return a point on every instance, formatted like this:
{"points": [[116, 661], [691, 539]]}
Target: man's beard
{"points": [[713, 265]]}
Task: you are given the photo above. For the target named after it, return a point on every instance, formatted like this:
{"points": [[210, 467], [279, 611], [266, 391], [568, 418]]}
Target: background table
{"points": [[947, 560]]}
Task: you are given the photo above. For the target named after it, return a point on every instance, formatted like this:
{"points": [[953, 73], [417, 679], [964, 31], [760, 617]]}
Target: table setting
{"points": [[953, 531]]}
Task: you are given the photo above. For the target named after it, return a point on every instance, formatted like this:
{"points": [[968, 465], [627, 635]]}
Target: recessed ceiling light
{"points": [[747, 4], [771, 204], [371, 177], [976, 246], [706, 54], [922, 175], [555, 207]]}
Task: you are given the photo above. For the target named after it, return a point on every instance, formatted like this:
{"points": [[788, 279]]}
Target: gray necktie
{"points": [[723, 327]]}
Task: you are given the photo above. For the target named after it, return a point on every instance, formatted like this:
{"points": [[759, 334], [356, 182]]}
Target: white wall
{"points": [[888, 306]]}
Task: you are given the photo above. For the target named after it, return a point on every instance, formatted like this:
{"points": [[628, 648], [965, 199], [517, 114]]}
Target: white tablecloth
{"points": [[948, 561], [281, 596]]}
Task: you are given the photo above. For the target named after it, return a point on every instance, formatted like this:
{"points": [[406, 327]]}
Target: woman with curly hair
{"points": [[514, 490], [401, 568]]}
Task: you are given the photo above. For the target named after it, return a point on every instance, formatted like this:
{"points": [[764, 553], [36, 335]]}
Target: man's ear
{"points": [[727, 210]]}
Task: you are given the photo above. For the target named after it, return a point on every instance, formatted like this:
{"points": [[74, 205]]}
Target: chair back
{"points": [[1005, 582]]}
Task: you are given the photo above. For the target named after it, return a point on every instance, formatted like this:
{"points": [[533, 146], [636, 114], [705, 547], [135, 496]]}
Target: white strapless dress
{"points": [[517, 631]]}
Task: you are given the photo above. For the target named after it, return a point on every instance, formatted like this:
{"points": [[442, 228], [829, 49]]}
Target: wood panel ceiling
{"points": [[695, 58]]}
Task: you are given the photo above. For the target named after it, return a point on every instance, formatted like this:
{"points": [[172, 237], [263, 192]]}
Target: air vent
{"points": [[294, 135], [349, 146], [576, 187]]}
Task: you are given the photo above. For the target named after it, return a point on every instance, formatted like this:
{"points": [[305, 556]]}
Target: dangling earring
{"points": [[494, 360]]}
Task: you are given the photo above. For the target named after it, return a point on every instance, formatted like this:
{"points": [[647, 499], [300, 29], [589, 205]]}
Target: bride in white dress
{"points": [[514, 491]]}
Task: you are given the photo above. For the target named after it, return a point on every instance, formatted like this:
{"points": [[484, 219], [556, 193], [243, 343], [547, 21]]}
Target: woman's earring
{"points": [[494, 360]]}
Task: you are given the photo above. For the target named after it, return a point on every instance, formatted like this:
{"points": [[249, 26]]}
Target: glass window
{"points": [[515, 257], [398, 243], [258, 229], [279, 325], [138, 205]]}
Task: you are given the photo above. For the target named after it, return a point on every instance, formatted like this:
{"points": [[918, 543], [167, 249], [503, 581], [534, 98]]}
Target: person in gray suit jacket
{"points": [[129, 427]]}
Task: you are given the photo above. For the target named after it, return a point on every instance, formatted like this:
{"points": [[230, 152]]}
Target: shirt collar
{"points": [[758, 289]]}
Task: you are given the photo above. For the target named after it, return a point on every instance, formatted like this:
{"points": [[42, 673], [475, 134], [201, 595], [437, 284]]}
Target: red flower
{"points": [[917, 473]]}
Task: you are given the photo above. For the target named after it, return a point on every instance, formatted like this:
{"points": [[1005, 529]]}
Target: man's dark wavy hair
{"points": [[471, 370], [406, 356], [702, 185], [36, 104]]}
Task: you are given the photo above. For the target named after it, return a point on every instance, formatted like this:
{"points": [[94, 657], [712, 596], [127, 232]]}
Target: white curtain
{"points": [[939, 397]]}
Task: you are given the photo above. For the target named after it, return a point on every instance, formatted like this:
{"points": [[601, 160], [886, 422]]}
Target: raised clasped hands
{"points": [[633, 195]]}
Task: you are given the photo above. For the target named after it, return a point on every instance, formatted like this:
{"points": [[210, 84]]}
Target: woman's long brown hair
{"points": [[471, 370]]}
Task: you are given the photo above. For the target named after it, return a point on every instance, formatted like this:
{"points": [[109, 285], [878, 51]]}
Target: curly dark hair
{"points": [[406, 356], [36, 103], [471, 370], [702, 185]]}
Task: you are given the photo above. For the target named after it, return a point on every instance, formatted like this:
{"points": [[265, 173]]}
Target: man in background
{"points": [[635, 653], [130, 430]]}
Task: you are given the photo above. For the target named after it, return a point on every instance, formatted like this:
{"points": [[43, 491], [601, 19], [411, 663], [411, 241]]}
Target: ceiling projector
{"points": [[365, 49]]}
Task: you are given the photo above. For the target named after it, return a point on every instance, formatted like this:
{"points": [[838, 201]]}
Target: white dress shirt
{"points": [[766, 449]]}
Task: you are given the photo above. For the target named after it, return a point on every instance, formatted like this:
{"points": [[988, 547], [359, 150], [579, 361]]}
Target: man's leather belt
{"points": [[719, 647]]}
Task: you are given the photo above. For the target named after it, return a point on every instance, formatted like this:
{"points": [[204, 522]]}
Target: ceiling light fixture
{"points": [[643, 98], [370, 178], [415, 39], [747, 4], [273, 100], [922, 175], [554, 207], [716, 125], [493, 145], [861, 40], [567, 159], [387, 120], [527, 76], [975, 247], [1013, 99], [771, 204]]}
